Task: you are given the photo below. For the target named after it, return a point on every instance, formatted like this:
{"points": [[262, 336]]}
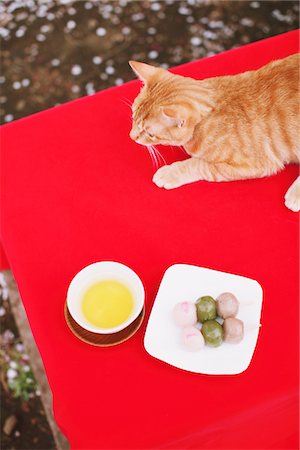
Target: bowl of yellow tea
{"points": [[105, 297]]}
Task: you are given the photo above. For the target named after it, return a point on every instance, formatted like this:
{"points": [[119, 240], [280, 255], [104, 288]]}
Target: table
{"points": [[74, 190]]}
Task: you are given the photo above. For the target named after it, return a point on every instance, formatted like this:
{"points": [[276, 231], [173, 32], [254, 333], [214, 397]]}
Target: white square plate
{"points": [[183, 282]]}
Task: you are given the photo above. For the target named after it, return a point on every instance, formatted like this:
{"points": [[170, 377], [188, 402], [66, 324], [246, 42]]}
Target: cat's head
{"points": [[160, 113]]}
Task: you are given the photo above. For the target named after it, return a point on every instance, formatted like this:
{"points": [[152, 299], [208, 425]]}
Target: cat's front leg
{"points": [[195, 169], [182, 172]]}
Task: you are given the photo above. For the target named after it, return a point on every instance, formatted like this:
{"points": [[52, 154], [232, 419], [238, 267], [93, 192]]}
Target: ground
{"points": [[23, 421]]}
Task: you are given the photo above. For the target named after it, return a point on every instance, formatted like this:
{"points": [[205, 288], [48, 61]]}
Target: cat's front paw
{"points": [[292, 197], [168, 177]]}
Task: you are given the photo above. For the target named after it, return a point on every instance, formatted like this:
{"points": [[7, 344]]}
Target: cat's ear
{"points": [[173, 117], [142, 70]]}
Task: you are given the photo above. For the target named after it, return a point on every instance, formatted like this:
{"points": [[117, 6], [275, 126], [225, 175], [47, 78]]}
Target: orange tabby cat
{"points": [[233, 127]]}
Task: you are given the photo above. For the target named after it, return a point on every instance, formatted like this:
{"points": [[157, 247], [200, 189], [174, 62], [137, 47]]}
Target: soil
{"points": [[31, 430], [56, 51]]}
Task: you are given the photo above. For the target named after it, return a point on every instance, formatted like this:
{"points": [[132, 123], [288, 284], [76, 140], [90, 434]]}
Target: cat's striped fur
{"points": [[233, 127]]}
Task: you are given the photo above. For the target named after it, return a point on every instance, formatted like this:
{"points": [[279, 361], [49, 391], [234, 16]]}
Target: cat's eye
{"points": [[150, 134]]}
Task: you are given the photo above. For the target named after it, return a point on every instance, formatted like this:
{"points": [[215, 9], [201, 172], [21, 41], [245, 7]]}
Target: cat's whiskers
{"points": [[126, 102], [151, 153], [152, 156], [129, 102], [158, 154], [156, 159]]}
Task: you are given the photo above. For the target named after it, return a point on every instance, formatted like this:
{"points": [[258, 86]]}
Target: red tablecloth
{"points": [[3, 259], [75, 190]]}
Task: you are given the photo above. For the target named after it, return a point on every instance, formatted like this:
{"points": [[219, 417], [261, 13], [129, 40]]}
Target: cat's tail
{"points": [[292, 196]]}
